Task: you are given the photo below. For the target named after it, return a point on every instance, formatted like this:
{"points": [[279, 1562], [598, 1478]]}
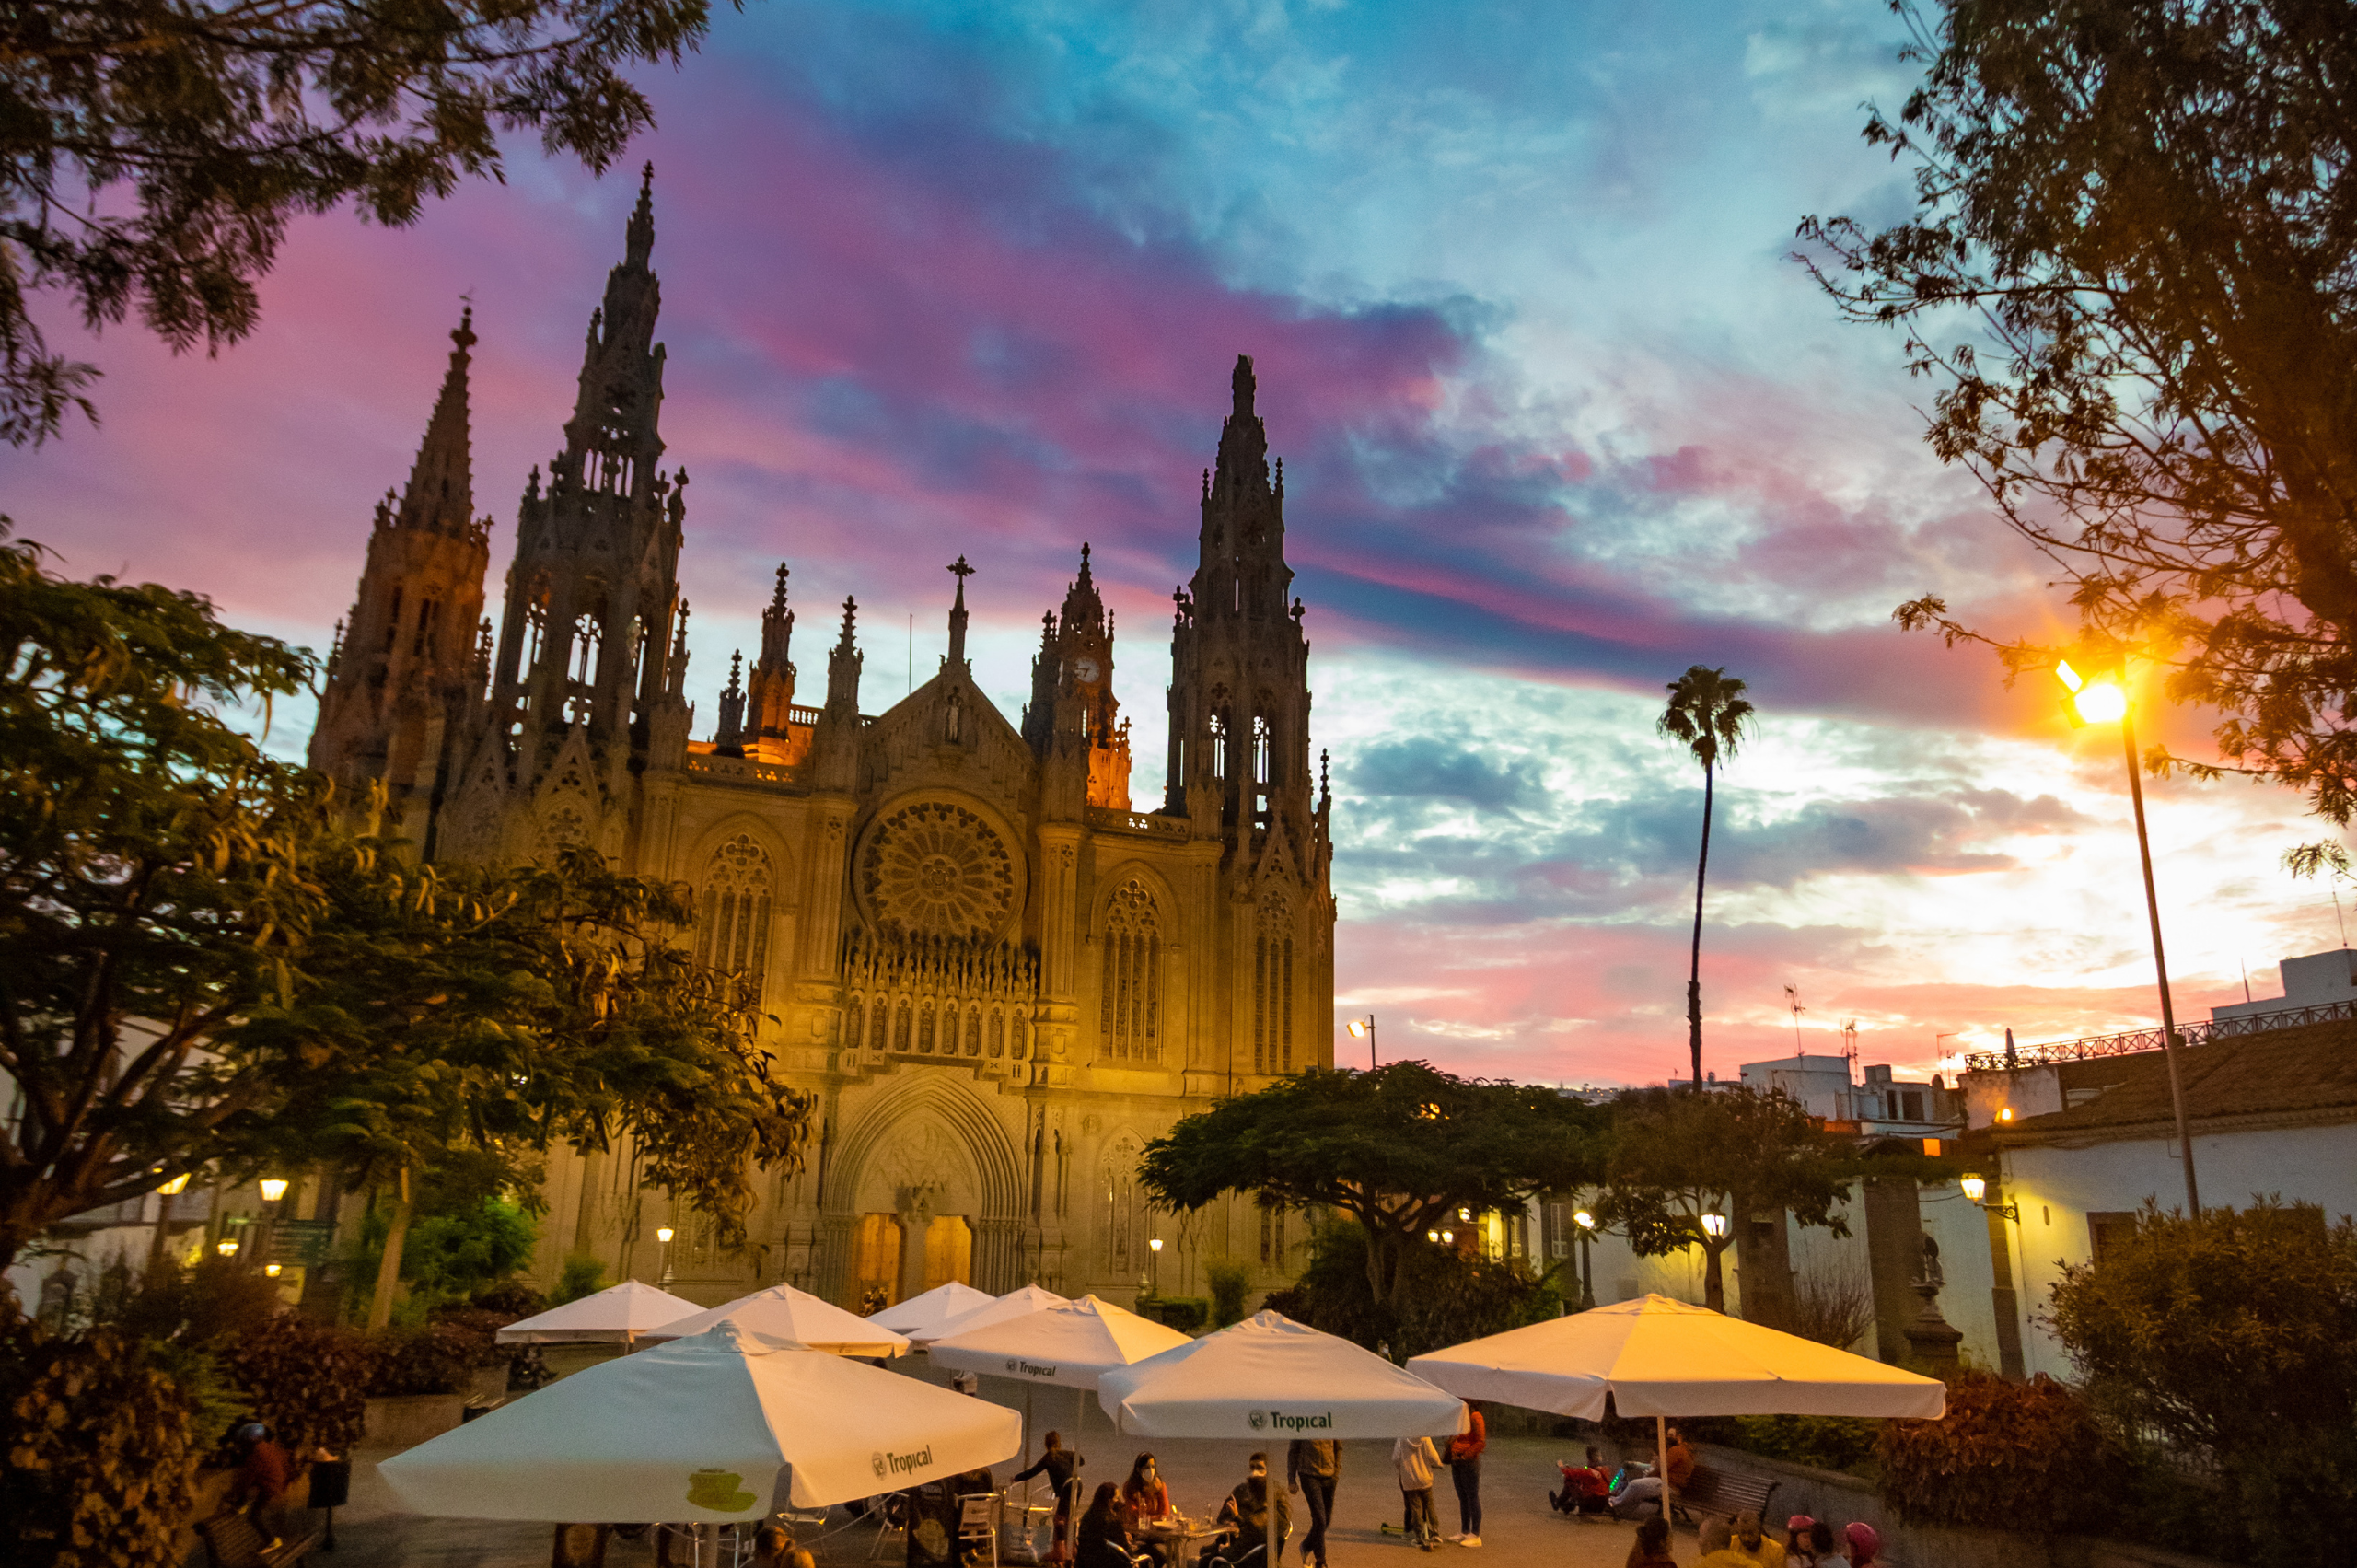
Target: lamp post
{"points": [[2102, 701], [663, 1235], [1586, 1222], [1153, 1262], [1363, 1028], [273, 1193]]}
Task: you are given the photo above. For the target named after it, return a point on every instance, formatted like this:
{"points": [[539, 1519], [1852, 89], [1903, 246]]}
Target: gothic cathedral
{"points": [[998, 975]]}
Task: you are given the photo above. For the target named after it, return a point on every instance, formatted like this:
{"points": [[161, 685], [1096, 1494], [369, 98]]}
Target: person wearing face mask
{"points": [[1146, 1507], [1263, 1518]]}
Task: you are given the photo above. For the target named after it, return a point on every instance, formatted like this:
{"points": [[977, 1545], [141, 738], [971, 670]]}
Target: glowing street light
{"points": [[227, 1247], [1584, 1220], [1714, 1226], [1587, 1223], [274, 1188], [1363, 1028], [274, 1270], [2104, 699], [663, 1235], [1974, 1187], [175, 1187], [1154, 1262]]}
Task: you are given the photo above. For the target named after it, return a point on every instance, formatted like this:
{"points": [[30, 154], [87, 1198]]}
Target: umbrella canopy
{"points": [[1660, 1357], [1272, 1378], [698, 1432], [619, 1312], [1014, 1303], [1072, 1344], [936, 1306], [796, 1317]]}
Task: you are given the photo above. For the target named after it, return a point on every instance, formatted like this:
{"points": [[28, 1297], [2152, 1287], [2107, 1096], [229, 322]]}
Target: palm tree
{"points": [[1708, 714]]}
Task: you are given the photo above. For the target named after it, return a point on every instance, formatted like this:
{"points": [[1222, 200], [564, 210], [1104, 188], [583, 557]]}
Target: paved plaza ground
{"points": [[1518, 1531]]}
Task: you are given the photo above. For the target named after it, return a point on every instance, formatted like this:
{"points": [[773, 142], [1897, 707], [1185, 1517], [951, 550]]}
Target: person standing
{"points": [[1311, 1469], [1060, 1466], [1465, 1452], [1753, 1543], [1413, 1458]]}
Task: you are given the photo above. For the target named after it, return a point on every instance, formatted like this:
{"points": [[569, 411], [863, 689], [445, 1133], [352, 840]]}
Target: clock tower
{"points": [[1072, 685]]}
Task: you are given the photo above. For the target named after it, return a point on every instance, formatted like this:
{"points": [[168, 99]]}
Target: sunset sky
{"points": [[1560, 418]]}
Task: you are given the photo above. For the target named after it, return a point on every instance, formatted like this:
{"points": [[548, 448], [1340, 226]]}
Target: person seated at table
{"points": [[1103, 1539], [1260, 1518], [773, 1547], [1754, 1545], [1146, 1507], [1652, 1547], [1059, 1464], [1586, 1488]]}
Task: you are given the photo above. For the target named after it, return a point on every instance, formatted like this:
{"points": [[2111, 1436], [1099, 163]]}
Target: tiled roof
{"points": [[2305, 1073]]}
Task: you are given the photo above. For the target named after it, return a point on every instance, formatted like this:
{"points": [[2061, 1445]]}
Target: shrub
{"points": [[310, 1382], [2028, 1456], [511, 1299], [2232, 1337], [581, 1276], [1450, 1297], [1833, 1307], [1184, 1312], [440, 1358], [1230, 1283], [216, 1301], [99, 1469], [1828, 1443], [459, 1253]]}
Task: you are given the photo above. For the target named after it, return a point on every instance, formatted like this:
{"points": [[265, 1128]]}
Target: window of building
{"points": [[393, 618], [1131, 982], [586, 636], [429, 619], [1272, 990], [1272, 1238], [733, 931], [2105, 1231], [1219, 746]]}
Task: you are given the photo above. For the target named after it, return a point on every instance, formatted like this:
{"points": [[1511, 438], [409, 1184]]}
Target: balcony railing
{"points": [[2133, 1040], [1139, 822]]}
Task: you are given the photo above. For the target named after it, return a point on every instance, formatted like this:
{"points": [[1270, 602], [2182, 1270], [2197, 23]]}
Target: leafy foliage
{"points": [[2138, 222], [1675, 1157], [2234, 1336], [2027, 1453], [309, 1381], [155, 153], [1826, 1442], [1398, 1149], [582, 1275], [315, 997], [440, 1358], [100, 1468], [1450, 1296], [1229, 1281]]}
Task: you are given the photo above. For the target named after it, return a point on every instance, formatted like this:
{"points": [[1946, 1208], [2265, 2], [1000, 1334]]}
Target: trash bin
{"points": [[331, 1483]]}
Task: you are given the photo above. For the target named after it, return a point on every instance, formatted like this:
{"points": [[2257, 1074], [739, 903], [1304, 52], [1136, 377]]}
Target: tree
{"points": [[155, 152], [201, 969], [1451, 1295], [2233, 1335], [1399, 1149], [1675, 1157], [1708, 715], [2131, 272]]}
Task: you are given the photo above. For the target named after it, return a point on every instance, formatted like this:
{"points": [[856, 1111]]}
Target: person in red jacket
{"points": [[1465, 1470]]}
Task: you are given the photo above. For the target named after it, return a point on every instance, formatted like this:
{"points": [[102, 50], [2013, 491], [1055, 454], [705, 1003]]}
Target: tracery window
{"points": [[856, 1024], [429, 623], [1272, 990], [393, 618], [1121, 1192], [1131, 988], [732, 933], [974, 1031], [924, 1029]]}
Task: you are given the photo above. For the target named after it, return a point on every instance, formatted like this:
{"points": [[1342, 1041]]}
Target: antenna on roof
{"points": [[1792, 999], [2338, 917]]}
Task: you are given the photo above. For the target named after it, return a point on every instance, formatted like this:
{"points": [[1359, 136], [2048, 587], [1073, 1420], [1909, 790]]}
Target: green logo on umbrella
{"points": [[721, 1491]]}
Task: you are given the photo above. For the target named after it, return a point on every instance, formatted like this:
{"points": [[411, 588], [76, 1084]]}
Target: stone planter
{"points": [[403, 1421]]}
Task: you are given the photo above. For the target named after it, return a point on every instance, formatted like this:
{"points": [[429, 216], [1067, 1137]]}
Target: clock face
{"points": [[1086, 669]]}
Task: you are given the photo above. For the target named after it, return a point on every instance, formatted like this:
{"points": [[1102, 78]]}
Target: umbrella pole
{"points": [[1661, 1458]]}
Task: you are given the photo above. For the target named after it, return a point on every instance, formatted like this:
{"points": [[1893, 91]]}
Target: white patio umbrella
{"points": [[1071, 1344], [1272, 1378], [1014, 1303], [937, 1305], [624, 1313], [1662, 1358], [796, 1317], [701, 1430]]}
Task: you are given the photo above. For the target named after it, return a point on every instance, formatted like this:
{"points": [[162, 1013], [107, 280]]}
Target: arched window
{"points": [[1016, 1044], [904, 1027], [1272, 989], [1130, 1005], [924, 1031], [733, 933], [1120, 1189], [587, 633], [1219, 745]]}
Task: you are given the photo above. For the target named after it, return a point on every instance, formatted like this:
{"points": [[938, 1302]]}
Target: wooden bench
{"points": [[232, 1542], [1725, 1493]]}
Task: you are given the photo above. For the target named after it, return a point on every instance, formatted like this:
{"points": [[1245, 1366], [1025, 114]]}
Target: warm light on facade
{"points": [[274, 1188]]}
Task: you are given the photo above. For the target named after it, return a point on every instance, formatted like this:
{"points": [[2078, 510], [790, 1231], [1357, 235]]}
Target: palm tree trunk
{"points": [[389, 1268], [1694, 976]]}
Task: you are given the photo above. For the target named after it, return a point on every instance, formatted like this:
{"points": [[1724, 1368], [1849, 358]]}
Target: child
{"points": [[1414, 1459]]}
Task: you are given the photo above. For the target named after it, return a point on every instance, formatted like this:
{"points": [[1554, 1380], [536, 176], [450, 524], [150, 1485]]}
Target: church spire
{"points": [[639, 237], [769, 699], [441, 493], [958, 614]]}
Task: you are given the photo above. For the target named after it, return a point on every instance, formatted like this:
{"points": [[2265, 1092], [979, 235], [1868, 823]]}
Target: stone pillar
{"points": [[1764, 1268], [1894, 1251], [1931, 1339], [833, 1263]]}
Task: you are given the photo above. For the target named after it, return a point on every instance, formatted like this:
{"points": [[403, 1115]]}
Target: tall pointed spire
{"points": [[959, 570], [640, 235], [441, 495], [769, 702]]}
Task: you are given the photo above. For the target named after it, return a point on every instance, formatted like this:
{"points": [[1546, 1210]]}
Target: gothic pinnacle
{"points": [[1242, 386], [641, 232], [777, 600]]}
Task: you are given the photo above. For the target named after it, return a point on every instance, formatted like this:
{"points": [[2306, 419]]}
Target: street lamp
{"points": [[1586, 1222], [226, 1247], [1154, 1249], [663, 1235], [1714, 1226], [274, 1188], [1975, 1187], [2105, 701], [1363, 1028]]}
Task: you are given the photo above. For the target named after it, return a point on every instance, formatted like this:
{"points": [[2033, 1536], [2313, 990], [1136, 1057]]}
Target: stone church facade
{"points": [[999, 976]]}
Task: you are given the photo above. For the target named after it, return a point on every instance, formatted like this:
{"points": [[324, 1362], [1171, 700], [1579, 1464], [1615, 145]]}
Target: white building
{"points": [[2312, 979]]}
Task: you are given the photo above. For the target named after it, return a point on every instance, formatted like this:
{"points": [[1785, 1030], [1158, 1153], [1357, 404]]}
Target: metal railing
{"points": [[2133, 1040], [1139, 821]]}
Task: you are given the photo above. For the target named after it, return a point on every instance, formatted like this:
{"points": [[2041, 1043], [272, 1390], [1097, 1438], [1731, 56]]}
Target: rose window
{"points": [[938, 870]]}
